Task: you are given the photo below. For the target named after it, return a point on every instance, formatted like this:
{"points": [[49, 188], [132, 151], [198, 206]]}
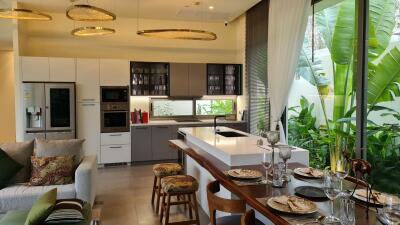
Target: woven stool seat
{"points": [[179, 184], [166, 169]]}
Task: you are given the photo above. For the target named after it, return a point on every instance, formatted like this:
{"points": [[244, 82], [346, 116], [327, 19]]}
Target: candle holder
{"points": [[273, 139]]}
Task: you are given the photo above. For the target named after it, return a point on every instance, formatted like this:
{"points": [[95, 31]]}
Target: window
{"points": [[215, 107], [171, 108]]}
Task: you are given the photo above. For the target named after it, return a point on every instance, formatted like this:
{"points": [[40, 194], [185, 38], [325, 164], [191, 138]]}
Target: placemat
{"points": [[244, 182], [295, 219]]}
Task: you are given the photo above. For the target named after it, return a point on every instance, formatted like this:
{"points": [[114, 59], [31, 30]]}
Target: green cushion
{"points": [[19, 217], [8, 167], [42, 208]]}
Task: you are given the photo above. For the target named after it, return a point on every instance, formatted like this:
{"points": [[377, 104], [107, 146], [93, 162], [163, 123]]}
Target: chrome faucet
{"points": [[215, 121]]}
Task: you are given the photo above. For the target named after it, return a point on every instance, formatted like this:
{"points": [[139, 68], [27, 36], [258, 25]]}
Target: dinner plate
{"points": [[311, 206], [310, 192], [298, 172], [245, 174], [371, 201]]}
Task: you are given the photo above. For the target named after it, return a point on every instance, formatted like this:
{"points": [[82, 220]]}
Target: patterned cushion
{"points": [[51, 170], [167, 169], [179, 184], [66, 211]]}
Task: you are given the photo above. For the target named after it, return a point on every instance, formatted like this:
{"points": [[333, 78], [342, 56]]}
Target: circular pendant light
{"points": [[183, 34], [92, 31], [23, 14], [83, 12]]}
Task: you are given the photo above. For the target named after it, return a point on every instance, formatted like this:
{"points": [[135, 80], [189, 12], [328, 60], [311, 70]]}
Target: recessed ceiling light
{"points": [[210, 7]]}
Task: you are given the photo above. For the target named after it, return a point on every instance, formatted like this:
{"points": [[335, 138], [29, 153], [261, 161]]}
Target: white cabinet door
{"points": [[62, 69], [115, 154], [114, 72], [35, 68], [87, 80], [88, 127]]}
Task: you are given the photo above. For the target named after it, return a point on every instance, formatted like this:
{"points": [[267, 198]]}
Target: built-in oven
{"points": [[114, 121], [115, 110]]}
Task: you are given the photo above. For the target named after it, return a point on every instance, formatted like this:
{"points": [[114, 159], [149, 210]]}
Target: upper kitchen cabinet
{"points": [[114, 72], [149, 78], [87, 80], [35, 68], [62, 69], [188, 79], [224, 79]]}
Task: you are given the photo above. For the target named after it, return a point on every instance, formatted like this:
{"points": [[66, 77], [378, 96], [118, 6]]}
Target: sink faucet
{"points": [[215, 121]]}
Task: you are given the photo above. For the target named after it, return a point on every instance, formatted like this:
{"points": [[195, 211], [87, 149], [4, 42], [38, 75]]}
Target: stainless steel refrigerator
{"points": [[49, 110]]}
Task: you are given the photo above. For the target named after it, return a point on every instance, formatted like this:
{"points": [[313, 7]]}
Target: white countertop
{"points": [[235, 151], [173, 122]]}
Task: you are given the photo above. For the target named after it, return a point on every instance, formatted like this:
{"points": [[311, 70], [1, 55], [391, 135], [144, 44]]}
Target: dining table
{"points": [[256, 195]]}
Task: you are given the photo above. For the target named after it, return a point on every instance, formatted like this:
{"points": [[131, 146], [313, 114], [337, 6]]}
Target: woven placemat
{"points": [[244, 182]]}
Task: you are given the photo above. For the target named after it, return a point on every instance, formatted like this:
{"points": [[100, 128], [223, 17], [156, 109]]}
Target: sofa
{"points": [[19, 196]]}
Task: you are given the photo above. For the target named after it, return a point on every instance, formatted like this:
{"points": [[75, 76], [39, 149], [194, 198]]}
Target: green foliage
{"points": [[216, 107]]}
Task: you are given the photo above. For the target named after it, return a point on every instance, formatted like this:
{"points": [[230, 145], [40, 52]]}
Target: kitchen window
{"points": [[213, 107], [171, 108]]}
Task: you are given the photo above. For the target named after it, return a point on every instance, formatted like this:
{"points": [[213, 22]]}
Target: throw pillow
{"points": [[66, 211], [8, 168], [42, 208], [72, 147], [51, 170], [20, 152]]}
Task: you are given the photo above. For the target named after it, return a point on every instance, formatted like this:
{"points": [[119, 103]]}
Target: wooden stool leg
{"points": [[154, 190], [162, 208], [158, 194], [167, 209], [196, 208], [190, 206]]}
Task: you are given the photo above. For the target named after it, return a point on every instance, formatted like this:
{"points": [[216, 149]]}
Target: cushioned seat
{"points": [[19, 217], [166, 169], [179, 184]]}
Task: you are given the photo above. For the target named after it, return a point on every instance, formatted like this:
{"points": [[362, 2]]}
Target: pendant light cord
{"points": [[137, 15], [312, 33]]}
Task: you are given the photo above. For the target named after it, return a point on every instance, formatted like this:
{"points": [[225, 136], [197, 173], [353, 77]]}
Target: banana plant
{"points": [[338, 28]]}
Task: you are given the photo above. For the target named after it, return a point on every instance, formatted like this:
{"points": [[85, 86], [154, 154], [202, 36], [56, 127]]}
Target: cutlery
{"points": [[317, 221]]}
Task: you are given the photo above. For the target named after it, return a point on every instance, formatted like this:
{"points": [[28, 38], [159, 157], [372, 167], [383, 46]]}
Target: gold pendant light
{"points": [[92, 31], [183, 34], [23, 14], [82, 12]]}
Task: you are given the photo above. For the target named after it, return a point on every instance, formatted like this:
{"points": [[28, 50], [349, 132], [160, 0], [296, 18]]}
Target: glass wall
{"points": [[322, 101], [383, 126]]}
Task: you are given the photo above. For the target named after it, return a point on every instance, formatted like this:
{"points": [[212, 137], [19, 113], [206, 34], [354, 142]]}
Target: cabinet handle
{"points": [[163, 127], [116, 147], [88, 99], [141, 128], [87, 104], [115, 135]]}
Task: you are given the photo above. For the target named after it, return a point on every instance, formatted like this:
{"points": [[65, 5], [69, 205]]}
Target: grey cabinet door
{"points": [[179, 79], [174, 135], [160, 135], [141, 144], [197, 79]]}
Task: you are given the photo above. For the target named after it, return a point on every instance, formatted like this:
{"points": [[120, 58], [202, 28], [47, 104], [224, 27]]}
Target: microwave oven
{"points": [[114, 94]]}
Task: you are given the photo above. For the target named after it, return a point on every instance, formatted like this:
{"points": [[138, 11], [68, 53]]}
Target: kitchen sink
{"points": [[230, 134]]}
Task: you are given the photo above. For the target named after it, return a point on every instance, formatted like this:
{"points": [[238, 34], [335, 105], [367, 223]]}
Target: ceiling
{"points": [[173, 10]]}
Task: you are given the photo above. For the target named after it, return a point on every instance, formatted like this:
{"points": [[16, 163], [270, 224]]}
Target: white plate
{"points": [[245, 174], [298, 171], [364, 199]]}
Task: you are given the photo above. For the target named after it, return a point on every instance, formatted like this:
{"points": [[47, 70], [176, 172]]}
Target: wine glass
{"points": [[342, 171], [266, 163], [285, 153], [332, 190], [391, 209], [272, 137]]}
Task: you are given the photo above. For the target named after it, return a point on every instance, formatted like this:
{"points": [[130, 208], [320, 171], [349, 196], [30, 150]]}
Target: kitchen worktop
{"points": [[235, 151], [173, 122]]}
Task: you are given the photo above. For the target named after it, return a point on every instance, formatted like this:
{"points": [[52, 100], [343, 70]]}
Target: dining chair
{"points": [[216, 203], [248, 218]]}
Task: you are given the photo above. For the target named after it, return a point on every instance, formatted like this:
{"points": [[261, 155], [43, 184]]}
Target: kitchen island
{"points": [[226, 153]]}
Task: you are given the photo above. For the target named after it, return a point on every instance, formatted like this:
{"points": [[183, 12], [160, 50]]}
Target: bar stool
{"points": [[160, 171], [179, 185], [216, 203]]}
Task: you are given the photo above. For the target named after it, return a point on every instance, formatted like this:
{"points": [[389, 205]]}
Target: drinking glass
{"points": [[277, 173], [332, 190], [342, 171], [266, 163], [347, 215], [391, 210], [285, 153], [272, 137]]}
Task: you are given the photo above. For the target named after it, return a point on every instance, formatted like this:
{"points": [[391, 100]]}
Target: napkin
{"points": [[313, 172], [294, 203], [377, 196]]}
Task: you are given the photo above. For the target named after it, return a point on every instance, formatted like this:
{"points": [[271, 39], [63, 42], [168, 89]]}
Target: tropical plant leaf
{"points": [[343, 35], [326, 20], [382, 19], [384, 84], [313, 72]]}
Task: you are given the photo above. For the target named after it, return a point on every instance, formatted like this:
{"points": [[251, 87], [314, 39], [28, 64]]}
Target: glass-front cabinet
{"points": [[149, 79], [224, 79]]}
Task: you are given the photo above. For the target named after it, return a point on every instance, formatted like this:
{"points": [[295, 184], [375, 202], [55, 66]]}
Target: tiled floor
{"points": [[126, 195]]}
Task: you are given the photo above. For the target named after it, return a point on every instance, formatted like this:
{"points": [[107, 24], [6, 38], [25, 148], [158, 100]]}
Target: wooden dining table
{"points": [[256, 195]]}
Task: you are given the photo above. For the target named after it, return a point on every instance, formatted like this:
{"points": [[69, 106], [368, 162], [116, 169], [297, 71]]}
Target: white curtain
{"points": [[286, 29]]}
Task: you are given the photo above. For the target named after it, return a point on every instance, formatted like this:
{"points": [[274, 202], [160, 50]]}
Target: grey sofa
{"points": [[18, 196]]}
